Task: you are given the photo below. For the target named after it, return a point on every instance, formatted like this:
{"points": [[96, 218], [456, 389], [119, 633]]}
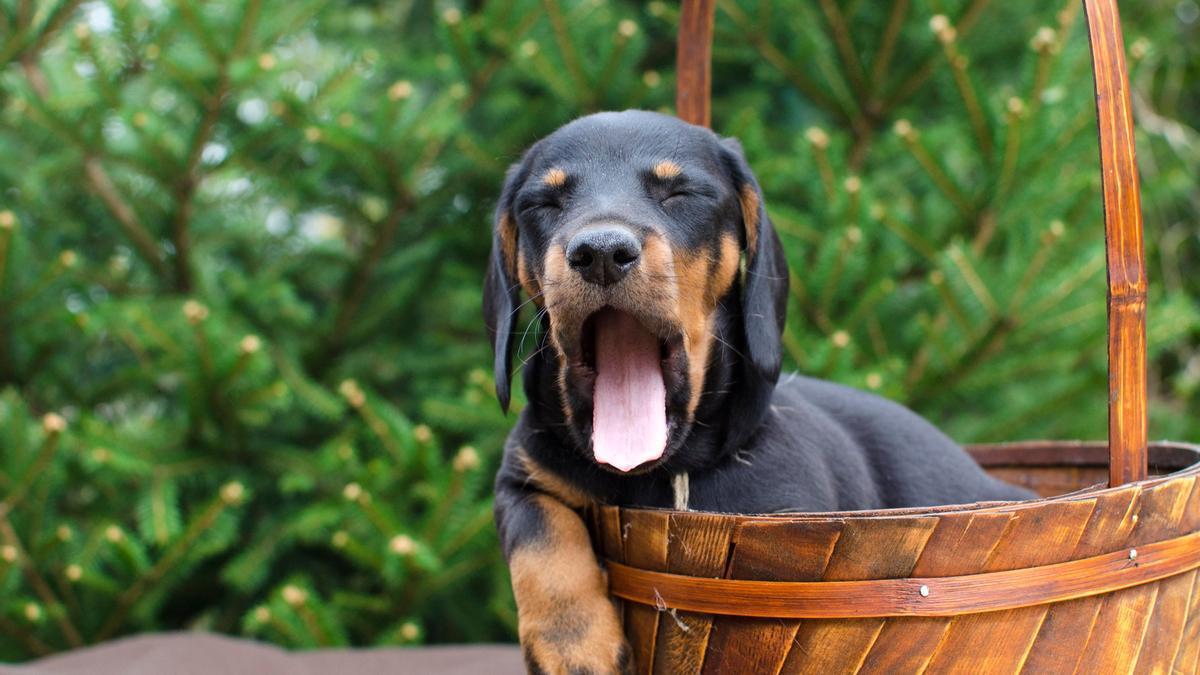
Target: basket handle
{"points": [[1122, 211]]}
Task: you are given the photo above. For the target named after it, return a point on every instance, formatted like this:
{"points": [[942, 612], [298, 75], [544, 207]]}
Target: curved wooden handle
{"points": [[693, 62], [1123, 243], [1122, 211]]}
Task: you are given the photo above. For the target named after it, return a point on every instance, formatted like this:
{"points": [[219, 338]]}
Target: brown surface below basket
{"points": [[1094, 580]]}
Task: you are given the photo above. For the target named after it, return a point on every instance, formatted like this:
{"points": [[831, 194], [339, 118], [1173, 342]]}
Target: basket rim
{"points": [[1078, 458]]}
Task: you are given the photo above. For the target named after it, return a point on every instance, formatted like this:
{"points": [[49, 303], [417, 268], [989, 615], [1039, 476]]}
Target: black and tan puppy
{"points": [[662, 288]]}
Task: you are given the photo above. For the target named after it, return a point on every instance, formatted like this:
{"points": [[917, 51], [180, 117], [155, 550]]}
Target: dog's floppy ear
{"points": [[501, 289], [765, 286]]}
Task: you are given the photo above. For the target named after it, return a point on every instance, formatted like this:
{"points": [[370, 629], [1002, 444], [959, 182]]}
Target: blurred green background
{"points": [[242, 372]]}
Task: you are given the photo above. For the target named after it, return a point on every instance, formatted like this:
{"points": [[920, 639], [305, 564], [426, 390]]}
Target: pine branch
{"points": [[363, 271], [360, 277], [97, 177], [40, 587], [773, 55], [35, 646], [948, 36], [8, 224], [566, 47], [20, 47], [932, 167], [819, 140], [190, 177], [852, 68], [887, 43], [230, 494], [119, 208], [917, 78], [53, 425]]}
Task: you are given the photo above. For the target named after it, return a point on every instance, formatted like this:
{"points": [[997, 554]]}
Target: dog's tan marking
{"points": [[548, 482], [728, 258], [506, 229], [693, 272], [528, 279], [667, 169], [750, 204], [560, 288], [652, 286], [555, 177], [702, 279], [565, 618]]}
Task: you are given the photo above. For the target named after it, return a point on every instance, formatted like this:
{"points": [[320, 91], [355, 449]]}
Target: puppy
{"points": [[661, 289]]}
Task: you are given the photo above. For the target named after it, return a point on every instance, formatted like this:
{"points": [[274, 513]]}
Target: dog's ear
{"points": [[501, 288], [765, 286]]}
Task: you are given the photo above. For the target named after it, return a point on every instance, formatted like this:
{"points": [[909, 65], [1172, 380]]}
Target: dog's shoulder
{"points": [[910, 461]]}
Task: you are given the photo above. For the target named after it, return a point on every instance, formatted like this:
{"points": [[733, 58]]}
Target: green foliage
{"points": [[241, 244]]}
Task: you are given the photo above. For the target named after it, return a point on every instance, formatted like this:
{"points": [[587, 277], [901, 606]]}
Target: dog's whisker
{"points": [[726, 343]]}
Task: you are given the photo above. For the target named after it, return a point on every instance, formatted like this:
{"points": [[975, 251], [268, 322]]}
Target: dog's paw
{"points": [[578, 641]]}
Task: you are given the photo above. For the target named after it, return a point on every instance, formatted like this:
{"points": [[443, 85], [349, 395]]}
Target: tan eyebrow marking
{"points": [[555, 177], [667, 169]]}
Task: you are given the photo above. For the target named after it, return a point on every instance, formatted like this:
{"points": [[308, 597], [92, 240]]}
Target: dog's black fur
{"points": [[749, 442]]}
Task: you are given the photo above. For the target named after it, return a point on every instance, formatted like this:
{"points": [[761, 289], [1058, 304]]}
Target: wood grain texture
{"points": [[1187, 657], [1071, 554], [1035, 537], [698, 545], [645, 544], [961, 544], [1123, 240], [693, 58], [1057, 645], [1164, 633], [1004, 584], [751, 645], [841, 646]]}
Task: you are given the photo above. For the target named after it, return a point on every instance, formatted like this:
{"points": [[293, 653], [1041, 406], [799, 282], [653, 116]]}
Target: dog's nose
{"points": [[603, 256]]}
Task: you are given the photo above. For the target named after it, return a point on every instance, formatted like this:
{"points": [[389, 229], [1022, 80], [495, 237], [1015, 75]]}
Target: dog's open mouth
{"points": [[630, 428]]}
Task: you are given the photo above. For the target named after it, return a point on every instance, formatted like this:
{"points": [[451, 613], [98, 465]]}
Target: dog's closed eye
{"points": [[676, 196], [540, 208], [680, 192]]}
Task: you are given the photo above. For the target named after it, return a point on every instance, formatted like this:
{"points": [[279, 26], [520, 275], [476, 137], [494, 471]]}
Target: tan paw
{"points": [[576, 642]]}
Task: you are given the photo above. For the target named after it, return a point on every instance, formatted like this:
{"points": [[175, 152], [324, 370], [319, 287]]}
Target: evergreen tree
{"points": [[241, 246]]}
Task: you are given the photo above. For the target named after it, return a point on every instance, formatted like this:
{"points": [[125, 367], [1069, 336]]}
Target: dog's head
{"points": [[661, 287]]}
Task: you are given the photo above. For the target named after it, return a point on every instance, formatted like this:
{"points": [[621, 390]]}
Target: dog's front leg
{"points": [[567, 623]]}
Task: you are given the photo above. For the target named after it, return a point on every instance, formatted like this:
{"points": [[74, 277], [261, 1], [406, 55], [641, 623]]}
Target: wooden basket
{"points": [[1098, 579]]}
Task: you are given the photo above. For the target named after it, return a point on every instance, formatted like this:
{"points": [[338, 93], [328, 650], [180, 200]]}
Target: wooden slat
{"points": [[1191, 513], [961, 544], [878, 549], [1117, 636], [697, 544], [1187, 659], [1167, 622], [1161, 511], [1057, 647], [609, 525], [1042, 536], [748, 645], [645, 535]]}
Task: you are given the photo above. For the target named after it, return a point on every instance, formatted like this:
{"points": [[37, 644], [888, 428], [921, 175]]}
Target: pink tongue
{"points": [[629, 419]]}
